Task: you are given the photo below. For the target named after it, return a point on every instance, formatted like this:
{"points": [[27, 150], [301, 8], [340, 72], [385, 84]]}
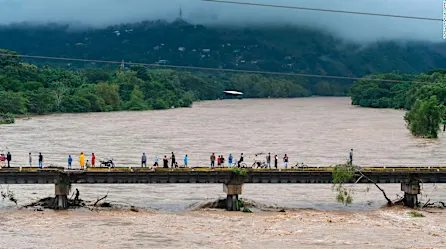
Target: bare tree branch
{"points": [[389, 202], [59, 90], [100, 199]]}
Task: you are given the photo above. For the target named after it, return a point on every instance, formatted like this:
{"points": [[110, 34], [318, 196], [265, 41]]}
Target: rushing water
{"points": [[317, 131]]}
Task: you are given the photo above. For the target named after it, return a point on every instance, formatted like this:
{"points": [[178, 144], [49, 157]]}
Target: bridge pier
{"points": [[232, 191], [411, 191], [62, 192]]}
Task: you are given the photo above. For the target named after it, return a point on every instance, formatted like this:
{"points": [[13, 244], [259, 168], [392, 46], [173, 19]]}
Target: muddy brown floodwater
{"points": [[317, 131]]}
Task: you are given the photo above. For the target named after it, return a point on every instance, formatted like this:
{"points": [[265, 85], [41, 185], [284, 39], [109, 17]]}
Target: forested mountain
{"points": [[282, 49]]}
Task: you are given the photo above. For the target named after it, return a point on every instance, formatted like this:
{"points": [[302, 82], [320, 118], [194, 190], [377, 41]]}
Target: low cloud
{"points": [[99, 13]]}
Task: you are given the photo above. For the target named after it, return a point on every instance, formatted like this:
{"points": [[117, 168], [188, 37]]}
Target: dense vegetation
{"points": [[27, 88], [424, 117], [424, 95]]}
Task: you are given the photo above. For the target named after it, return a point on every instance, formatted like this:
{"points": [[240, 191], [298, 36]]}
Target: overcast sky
{"points": [[360, 28]]}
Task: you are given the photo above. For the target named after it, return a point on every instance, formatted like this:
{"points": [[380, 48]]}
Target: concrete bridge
{"points": [[409, 178]]}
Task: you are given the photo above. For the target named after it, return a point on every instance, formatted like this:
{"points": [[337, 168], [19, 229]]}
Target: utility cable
{"points": [[325, 10], [210, 69]]}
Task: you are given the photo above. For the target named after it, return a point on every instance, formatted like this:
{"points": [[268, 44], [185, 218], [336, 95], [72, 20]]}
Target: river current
{"points": [[316, 131]]}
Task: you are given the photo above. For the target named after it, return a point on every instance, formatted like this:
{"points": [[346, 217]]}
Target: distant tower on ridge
{"points": [[181, 13]]}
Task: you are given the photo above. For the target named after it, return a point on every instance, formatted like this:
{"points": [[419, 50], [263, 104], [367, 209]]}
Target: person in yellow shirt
{"points": [[82, 160]]}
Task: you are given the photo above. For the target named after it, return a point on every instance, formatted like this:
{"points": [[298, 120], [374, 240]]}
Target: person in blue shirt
{"points": [[185, 161], [230, 161], [70, 160], [156, 162]]}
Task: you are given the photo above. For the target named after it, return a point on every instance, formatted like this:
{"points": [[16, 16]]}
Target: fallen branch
{"points": [[359, 179], [9, 195], [100, 199], [389, 202], [427, 203], [433, 204]]}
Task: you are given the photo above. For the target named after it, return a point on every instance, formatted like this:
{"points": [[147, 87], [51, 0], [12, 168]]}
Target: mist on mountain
{"points": [[359, 28]]}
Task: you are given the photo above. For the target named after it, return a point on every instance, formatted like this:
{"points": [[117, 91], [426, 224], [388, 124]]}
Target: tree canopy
{"points": [[424, 95], [424, 118], [27, 88]]}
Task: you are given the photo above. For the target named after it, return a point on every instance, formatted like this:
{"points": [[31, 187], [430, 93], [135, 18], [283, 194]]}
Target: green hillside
{"points": [[282, 49]]}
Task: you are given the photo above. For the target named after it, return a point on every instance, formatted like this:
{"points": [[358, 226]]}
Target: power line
{"points": [[325, 10], [209, 68]]}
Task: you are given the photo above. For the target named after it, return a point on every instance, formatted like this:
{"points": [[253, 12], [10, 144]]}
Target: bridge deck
{"points": [[206, 175]]}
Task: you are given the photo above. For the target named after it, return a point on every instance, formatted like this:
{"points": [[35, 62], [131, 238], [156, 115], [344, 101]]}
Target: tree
{"points": [[71, 79], [9, 58], [95, 75], [343, 173], [88, 92], [160, 104], [323, 88], [348, 173], [424, 119], [136, 102], [12, 102], [109, 93], [40, 101], [59, 90], [7, 118], [75, 103], [187, 100], [127, 80]]}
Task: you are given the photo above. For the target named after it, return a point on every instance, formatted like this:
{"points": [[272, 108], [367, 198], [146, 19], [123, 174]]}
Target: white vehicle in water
{"points": [[234, 94]]}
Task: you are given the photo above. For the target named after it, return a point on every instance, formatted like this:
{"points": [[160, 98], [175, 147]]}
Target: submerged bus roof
{"points": [[233, 92]]}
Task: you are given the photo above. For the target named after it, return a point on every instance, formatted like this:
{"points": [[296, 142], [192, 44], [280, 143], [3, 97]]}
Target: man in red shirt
{"points": [[93, 159]]}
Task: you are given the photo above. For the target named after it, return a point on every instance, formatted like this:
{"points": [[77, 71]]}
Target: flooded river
{"points": [[317, 131]]}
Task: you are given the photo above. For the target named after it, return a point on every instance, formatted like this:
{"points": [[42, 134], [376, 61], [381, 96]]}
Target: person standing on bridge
{"points": [[93, 159], [222, 161], [276, 158], [172, 163], [165, 162], [82, 160], [143, 160], [9, 158], [285, 161], [212, 160], [70, 161], [185, 161], [351, 157], [40, 160], [30, 160], [268, 160], [219, 161], [155, 164], [230, 161], [2, 160]]}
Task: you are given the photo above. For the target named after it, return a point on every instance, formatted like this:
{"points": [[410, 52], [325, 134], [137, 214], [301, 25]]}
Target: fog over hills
{"points": [[100, 13]]}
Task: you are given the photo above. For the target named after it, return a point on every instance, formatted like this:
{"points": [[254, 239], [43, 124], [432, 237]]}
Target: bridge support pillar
{"points": [[411, 191], [62, 192], [232, 191]]}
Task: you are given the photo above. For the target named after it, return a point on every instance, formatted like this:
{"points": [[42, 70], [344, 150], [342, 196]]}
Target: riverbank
{"points": [[384, 228]]}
